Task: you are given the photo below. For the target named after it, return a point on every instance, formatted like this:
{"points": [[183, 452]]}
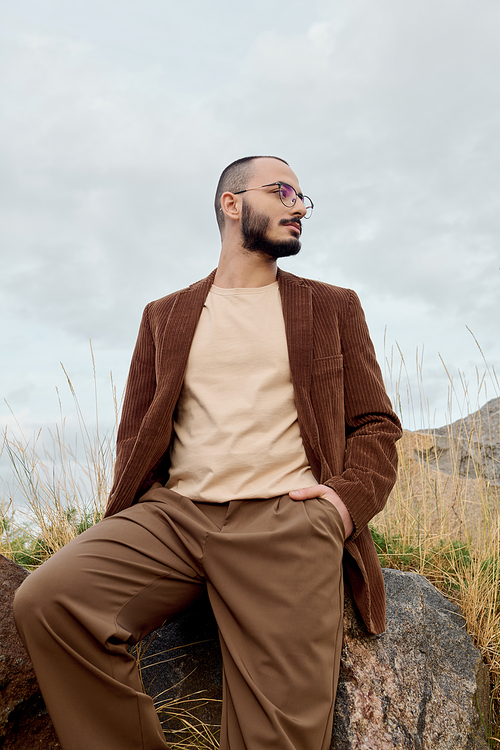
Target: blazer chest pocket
{"points": [[326, 365]]}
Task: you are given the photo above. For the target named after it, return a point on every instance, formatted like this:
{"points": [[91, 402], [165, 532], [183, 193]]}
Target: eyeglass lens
{"points": [[289, 197]]}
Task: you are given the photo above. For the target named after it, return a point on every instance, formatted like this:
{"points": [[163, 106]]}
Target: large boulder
{"points": [[24, 722], [420, 686]]}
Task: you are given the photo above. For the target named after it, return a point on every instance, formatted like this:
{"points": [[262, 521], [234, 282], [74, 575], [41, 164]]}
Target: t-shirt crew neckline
{"points": [[223, 292]]}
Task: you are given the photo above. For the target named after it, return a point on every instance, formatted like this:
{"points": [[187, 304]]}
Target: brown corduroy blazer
{"points": [[346, 421]]}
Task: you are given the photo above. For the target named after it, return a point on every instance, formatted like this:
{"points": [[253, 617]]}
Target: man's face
{"points": [[267, 225]]}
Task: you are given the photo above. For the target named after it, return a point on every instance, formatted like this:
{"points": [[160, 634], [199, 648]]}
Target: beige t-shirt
{"points": [[236, 429]]}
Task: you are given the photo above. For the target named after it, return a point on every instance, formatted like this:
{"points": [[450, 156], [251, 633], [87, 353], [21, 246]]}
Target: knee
{"points": [[21, 606], [32, 601], [23, 603]]}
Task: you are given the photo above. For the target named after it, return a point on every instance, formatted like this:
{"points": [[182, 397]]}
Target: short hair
{"points": [[236, 177]]}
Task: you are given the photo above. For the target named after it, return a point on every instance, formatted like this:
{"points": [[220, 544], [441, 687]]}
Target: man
{"points": [[256, 443]]}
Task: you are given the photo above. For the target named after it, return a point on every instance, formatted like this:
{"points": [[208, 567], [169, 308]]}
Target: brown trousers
{"points": [[273, 571]]}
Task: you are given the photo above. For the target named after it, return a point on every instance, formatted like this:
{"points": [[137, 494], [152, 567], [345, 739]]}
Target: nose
{"points": [[299, 209]]}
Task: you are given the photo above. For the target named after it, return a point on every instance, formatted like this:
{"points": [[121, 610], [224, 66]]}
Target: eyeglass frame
{"points": [[301, 196]]}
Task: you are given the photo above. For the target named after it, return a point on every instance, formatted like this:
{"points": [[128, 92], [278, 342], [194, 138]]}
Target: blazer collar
{"points": [[179, 332]]}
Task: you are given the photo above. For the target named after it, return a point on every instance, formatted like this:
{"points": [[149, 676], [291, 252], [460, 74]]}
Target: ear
{"points": [[230, 205]]}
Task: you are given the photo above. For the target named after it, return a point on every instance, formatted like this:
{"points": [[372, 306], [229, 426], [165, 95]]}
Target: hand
{"points": [[321, 490]]}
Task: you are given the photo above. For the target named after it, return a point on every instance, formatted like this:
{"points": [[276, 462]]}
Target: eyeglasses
{"points": [[288, 196]]}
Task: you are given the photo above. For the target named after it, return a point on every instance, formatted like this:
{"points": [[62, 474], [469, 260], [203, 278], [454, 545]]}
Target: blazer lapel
{"points": [[179, 332], [296, 300]]}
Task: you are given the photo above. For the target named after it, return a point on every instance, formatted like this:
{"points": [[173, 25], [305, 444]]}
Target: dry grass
{"points": [[60, 485]]}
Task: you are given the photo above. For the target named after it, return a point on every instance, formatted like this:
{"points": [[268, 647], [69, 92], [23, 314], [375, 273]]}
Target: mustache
{"points": [[284, 222]]}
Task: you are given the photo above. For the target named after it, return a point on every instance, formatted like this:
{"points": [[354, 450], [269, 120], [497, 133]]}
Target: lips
{"points": [[294, 225]]}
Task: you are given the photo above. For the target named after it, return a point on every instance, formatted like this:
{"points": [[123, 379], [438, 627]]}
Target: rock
{"points": [[416, 687], [469, 446], [24, 722]]}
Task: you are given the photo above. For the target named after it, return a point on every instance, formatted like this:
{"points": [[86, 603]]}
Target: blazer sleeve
{"points": [[371, 426], [139, 393]]}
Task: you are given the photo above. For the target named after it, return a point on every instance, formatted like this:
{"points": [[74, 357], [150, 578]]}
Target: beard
{"points": [[254, 229]]}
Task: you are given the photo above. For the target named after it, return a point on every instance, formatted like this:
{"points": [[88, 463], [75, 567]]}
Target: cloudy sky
{"points": [[117, 118]]}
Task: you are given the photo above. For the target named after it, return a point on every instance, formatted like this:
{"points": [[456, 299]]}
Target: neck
{"points": [[239, 268]]}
